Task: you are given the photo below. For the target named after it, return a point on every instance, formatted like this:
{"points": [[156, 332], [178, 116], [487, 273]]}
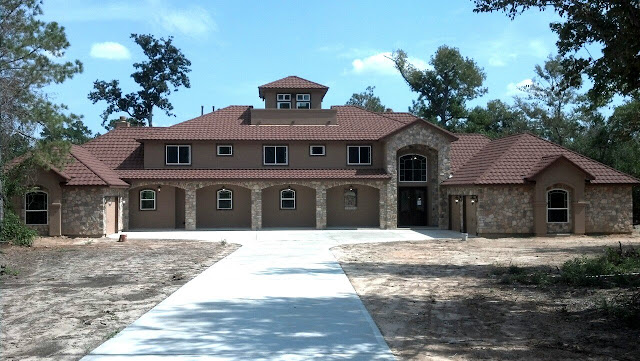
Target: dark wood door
{"points": [[412, 207]]}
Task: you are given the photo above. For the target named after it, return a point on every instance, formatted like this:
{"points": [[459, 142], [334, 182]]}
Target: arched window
{"points": [[36, 206], [412, 168], [557, 206], [287, 199], [147, 200], [225, 199]]}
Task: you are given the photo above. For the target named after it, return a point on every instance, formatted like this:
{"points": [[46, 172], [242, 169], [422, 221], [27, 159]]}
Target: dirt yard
{"points": [[64, 297], [438, 300]]}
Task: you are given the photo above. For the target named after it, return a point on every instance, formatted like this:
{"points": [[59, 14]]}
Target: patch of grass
{"points": [[6, 270], [112, 334], [625, 308], [617, 267]]}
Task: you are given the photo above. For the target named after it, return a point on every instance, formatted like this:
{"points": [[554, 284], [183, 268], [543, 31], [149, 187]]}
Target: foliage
{"points": [[625, 308], [72, 130], [495, 120], [166, 66], [613, 25], [616, 267], [15, 231], [367, 100], [444, 90], [30, 59], [552, 105]]}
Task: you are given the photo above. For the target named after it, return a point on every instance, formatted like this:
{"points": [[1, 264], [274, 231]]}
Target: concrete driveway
{"points": [[282, 296]]}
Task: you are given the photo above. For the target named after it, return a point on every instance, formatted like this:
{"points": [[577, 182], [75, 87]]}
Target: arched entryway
{"points": [[353, 206], [156, 206], [223, 206], [417, 189], [289, 205]]}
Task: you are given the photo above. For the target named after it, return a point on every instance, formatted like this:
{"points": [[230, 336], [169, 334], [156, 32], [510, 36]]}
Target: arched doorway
{"points": [[413, 197]]}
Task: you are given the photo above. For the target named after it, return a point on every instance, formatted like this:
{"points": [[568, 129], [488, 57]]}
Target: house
{"points": [[297, 164]]}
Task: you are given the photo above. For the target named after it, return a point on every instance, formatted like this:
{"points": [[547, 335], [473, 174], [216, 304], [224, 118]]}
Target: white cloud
{"points": [[516, 88], [538, 49], [194, 21], [109, 50], [382, 64]]}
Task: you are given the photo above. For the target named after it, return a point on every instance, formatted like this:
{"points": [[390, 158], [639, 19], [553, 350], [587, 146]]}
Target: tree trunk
{"points": [[1, 191], [150, 118]]}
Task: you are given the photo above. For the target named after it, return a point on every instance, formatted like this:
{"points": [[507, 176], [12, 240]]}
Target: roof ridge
{"points": [[293, 76], [578, 154], [478, 134], [85, 164], [497, 159]]}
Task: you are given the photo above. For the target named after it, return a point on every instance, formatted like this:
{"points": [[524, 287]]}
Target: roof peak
{"points": [[293, 82]]}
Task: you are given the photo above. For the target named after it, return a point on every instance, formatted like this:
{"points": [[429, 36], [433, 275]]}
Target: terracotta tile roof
{"points": [[511, 159], [292, 82], [233, 123], [89, 170], [548, 160], [119, 148], [466, 147], [408, 119], [261, 173]]}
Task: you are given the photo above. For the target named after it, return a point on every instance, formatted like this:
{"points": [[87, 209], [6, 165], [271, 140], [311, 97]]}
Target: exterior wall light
{"points": [[457, 199], [159, 187], [474, 199]]}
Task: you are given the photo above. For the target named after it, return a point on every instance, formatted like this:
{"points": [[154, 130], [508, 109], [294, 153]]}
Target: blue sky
{"points": [[235, 46]]}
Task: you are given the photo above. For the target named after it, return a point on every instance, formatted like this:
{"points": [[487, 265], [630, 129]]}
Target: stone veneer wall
{"points": [[503, 209], [609, 209], [83, 210], [419, 134]]}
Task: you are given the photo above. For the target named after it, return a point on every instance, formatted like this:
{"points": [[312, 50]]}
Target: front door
{"points": [[412, 206]]}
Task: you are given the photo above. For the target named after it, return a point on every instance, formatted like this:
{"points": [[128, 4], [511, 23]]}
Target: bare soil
{"points": [[63, 297], [438, 300]]}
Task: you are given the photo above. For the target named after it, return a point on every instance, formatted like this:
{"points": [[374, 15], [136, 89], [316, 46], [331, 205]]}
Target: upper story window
{"points": [[178, 155], [225, 199], [316, 150], [284, 101], [412, 168], [36, 206], [557, 206], [303, 101], [287, 199], [225, 150], [275, 155], [359, 155], [147, 200]]}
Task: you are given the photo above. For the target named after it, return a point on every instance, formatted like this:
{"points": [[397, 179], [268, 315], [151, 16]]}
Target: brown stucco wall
{"points": [[208, 216], [249, 155], [49, 182], [163, 217], [271, 100], [303, 216], [609, 209], [366, 214]]}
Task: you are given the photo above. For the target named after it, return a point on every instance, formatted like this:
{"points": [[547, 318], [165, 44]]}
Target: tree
{"points": [[166, 65], [444, 90], [495, 120], [74, 131], [367, 100], [552, 105], [30, 59], [613, 25]]}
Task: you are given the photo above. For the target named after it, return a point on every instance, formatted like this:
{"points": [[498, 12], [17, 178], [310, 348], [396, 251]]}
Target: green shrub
{"points": [[16, 232], [625, 308], [611, 268]]}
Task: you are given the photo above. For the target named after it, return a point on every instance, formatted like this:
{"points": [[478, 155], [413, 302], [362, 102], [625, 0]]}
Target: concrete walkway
{"points": [[282, 296]]}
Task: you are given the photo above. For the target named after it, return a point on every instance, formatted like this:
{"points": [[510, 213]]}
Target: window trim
{"points": [[324, 150], [308, 100], [166, 154], [284, 103], [426, 164], [360, 146], [284, 99], [264, 155], [295, 203], [46, 210], [558, 209], [298, 105], [155, 200], [224, 145], [229, 199]]}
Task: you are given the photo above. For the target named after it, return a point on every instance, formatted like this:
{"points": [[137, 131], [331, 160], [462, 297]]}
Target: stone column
{"points": [[382, 195], [321, 207], [190, 209], [256, 208]]}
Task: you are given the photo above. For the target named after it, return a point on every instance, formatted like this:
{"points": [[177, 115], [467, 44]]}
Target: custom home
{"points": [[297, 164]]}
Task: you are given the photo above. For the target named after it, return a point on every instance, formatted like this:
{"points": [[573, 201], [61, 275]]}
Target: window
{"points": [[303, 101], [359, 155], [412, 168], [225, 150], [178, 155], [36, 207], [287, 199], [284, 101], [275, 155], [225, 199], [147, 200], [557, 206], [350, 199], [316, 150]]}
